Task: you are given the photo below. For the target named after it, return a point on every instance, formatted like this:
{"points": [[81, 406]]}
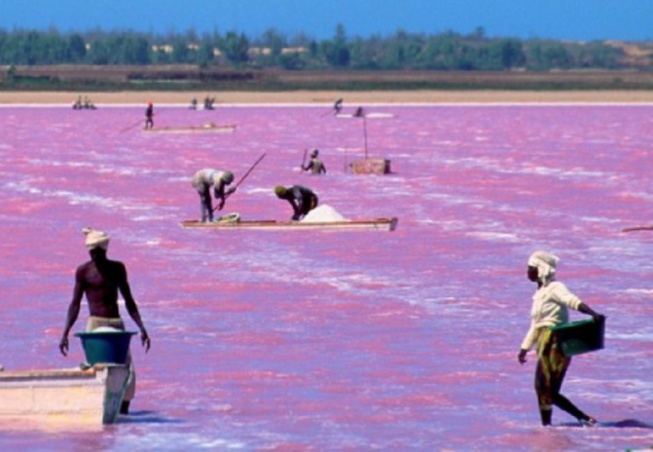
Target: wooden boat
{"points": [[75, 397], [206, 128], [366, 115], [369, 165], [378, 224], [638, 228]]}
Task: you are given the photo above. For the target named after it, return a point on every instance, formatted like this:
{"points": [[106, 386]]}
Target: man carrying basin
{"points": [[101, 279]]}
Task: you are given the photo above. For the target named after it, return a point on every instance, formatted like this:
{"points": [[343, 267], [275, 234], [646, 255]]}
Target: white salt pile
{"points": [[323, 213], [105, 329]]}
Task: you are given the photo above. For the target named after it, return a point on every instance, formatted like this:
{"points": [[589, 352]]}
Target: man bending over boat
{"points": [[302, 199], [100, 279], [206, 178]]}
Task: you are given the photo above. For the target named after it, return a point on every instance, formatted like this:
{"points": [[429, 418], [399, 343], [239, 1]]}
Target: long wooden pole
{"points": [[249, 170], [365, 133], [304, 159], [638, 228], [243, 178]]}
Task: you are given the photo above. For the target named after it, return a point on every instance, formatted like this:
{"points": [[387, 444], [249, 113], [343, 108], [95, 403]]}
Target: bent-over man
{"points": [[302, 199], [206, 178]]}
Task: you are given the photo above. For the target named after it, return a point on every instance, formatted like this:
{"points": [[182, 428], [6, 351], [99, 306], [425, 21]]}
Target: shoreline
{"points": [[351, 98]]}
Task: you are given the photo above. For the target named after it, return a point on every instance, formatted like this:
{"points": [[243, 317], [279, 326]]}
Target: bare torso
{"points": [[101, 281]]}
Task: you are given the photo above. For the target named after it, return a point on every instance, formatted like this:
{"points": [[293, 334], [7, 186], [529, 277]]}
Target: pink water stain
{"points": [[306, 340]]}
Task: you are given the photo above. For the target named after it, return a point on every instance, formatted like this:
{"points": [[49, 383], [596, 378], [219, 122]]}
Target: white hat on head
{"points": [[545, 263], [96, 239]]}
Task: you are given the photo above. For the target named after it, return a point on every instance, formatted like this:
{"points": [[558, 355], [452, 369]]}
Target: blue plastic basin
{"points": [[106, 346]]}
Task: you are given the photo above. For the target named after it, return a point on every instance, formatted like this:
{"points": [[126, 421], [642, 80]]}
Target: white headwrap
{"points": [[545, 263], [96, 239]]}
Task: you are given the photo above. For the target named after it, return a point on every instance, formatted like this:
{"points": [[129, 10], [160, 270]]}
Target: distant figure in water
{"points": [[100, 279], [302, 199], [359, 112], [550, 308], [193, 104], [206, 178], [149, 116], [315, 165], [337, 107]]}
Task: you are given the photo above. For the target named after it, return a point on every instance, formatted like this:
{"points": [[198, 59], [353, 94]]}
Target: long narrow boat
{"points": [[638, 228], [366, 115], [206, 128], [378, 224]]}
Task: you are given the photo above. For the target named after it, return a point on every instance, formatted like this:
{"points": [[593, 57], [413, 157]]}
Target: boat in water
{"points": [[206, 128], [77, 397], [378, 224]]}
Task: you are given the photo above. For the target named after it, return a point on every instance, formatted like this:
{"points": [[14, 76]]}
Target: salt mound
{"points": [[106, 329], [322, 214]]}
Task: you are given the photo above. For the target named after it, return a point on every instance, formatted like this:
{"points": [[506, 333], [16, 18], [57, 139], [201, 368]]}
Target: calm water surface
{"points": [[306, 340]]}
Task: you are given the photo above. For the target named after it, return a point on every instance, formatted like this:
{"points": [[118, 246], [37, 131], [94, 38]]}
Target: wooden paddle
{"points": [[126, 129], [638, 228], [304, 159]]}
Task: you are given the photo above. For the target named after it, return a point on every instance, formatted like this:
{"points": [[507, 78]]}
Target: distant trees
{"points": [[446, 51]]}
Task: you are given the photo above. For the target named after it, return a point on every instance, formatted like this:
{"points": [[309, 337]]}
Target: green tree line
{"points": [[273, 49]]}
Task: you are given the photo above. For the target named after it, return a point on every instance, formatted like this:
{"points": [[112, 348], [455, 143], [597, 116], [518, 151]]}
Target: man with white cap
{"points": [[551, 302], [206, 178], [100, 279]]}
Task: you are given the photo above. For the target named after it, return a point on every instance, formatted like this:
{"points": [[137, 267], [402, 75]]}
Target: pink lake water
{"points": [[313, 340]]}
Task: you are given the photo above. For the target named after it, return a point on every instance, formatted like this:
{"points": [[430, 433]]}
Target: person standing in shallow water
{"points": [[315, 165], [100, 279], [149, 116], [551, 302]]}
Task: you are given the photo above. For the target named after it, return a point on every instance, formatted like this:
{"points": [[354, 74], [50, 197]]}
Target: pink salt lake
{"points": [[310, 340]]}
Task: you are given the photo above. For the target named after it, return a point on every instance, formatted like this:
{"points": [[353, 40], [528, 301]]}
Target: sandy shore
{"points": [[321, 97]]}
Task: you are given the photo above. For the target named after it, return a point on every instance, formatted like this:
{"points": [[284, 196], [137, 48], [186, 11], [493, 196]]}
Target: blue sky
{"points": [[579, 20]]}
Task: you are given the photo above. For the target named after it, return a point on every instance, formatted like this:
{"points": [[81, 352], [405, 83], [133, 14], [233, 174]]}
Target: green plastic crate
{"points": [[106, 346], [579, 337]]}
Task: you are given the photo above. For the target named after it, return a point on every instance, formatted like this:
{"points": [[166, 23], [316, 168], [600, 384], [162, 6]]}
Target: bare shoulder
{"points": [[83, 268]]}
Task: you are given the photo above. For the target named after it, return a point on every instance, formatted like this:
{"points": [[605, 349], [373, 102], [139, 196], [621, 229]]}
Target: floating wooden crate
{"points": [[371, 166]]}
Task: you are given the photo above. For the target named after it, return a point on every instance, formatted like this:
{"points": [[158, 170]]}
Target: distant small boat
{"points": [[206, 128], [378, 224], [366, 115], [638, 228], [371, 166]]}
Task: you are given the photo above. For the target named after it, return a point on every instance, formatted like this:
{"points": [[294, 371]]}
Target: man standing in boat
{"points": [[302, 199], [337, 106], [206, 178], [315, 165], [100, 279], [149, 116]]}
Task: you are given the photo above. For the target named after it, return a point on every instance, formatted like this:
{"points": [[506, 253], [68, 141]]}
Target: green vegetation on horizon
{"points": [[233, 50]]}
